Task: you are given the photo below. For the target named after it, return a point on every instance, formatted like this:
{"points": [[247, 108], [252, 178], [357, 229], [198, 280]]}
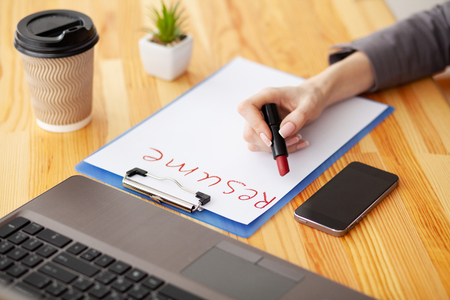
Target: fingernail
{"points": [[265, 139], [294, 140], [302, 145], [287, 129]]}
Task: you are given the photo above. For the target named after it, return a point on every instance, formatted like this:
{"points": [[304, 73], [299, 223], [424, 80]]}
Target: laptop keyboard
{"points": [[42, 263]]}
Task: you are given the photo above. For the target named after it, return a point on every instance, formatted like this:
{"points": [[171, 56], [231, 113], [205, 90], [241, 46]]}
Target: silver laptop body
{"points": [[193, 261]]}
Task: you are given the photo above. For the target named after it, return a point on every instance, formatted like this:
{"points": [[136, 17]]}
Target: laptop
{"points": [[85, 240]]}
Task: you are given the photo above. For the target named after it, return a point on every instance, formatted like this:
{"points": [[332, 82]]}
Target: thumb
{"points": [[292, 123]]}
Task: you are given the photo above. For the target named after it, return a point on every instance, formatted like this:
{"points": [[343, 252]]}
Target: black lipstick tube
{"points": [[272, 118]]}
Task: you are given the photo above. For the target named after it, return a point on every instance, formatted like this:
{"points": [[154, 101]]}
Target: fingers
{"points": [[289, 128], [309, 105], [255, 144], [290, 103], [250, 109], [291, 148], [296, 143], [294, 121]]}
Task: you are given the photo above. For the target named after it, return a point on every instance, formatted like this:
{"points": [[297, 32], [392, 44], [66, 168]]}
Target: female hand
{"points": [[298, 105]]}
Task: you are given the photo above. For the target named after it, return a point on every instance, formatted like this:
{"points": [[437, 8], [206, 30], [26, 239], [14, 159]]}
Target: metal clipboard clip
{"points": [[160, 196]]}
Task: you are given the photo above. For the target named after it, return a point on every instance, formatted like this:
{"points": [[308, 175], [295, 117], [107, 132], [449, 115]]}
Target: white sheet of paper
{"points": [[197, 140]]}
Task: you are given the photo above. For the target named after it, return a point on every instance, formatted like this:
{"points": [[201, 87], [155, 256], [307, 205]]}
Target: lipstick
{"points": [[279, 149]]}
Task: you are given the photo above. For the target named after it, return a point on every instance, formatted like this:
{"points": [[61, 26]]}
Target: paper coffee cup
{"points": [[56, 48]]}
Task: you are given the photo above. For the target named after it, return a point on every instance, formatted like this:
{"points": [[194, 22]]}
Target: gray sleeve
{"points": [[408, 50]]}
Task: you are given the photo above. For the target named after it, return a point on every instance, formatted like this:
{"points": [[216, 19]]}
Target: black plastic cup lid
{"points": [[55, 33]]}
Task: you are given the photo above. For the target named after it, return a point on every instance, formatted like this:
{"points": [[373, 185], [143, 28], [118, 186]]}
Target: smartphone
{"points": [[347, 198]]}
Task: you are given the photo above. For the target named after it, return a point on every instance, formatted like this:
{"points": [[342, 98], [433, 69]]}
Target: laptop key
{"points": [[5, 246], [83, 284], [176, 293], [18, 238], [5, 263], [56, 289], [53, 238], [57, 273], [152, 282], [27, 291], [76, 264], [32, 261], [17, 254], [117, 296], [72, 295], [90, 255], [33, 228], [5, 279], [32, 244], [76, 248], [136, 275], [46, 251], [99, 291], [120, 267], [13, 226], [106, 277], [37, 280], [17, 271], [104, 261], [122, 285], [138, 292]]}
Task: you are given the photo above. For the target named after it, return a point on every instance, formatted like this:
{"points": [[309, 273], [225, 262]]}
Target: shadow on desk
{"points": [[443, 81]]}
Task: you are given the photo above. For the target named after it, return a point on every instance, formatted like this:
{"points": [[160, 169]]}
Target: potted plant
{"points": [[166, 51]]}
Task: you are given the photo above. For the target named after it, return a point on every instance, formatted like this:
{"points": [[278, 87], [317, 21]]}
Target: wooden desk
{"points": [[400, 251]]}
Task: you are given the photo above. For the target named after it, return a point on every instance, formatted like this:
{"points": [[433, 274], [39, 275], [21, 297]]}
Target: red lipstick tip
{"points": [[283, 166]]}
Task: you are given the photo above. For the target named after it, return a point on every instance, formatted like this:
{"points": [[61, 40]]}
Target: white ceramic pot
{"points": [[165, 62]]}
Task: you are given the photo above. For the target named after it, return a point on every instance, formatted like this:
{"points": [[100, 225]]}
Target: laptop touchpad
{"points": [[242, 274]]}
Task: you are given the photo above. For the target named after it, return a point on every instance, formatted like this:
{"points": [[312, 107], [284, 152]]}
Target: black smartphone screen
{"points": [[347, 195]]}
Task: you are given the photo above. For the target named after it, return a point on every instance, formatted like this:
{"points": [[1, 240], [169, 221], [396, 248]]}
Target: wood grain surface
{"points": [[401, 250]]}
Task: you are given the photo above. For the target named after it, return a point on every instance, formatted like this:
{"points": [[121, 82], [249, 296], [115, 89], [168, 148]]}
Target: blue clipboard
{"points": [[218, 221]]}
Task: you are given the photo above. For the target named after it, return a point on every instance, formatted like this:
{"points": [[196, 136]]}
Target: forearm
{"points": [[344, 79], [408, 50]]}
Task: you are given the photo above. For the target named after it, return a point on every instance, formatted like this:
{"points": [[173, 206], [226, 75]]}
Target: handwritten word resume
{"points": [[197, 140]]}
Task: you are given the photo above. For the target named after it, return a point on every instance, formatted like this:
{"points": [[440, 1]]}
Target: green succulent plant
{"points": [[168, 23]]}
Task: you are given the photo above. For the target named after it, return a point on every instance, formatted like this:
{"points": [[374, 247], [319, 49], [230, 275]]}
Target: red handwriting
{"points": [[208, 177], [181, 168], [232, 186], [229, 185], [151, 158], [241, 197], [264, 203], [248, 197]]}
